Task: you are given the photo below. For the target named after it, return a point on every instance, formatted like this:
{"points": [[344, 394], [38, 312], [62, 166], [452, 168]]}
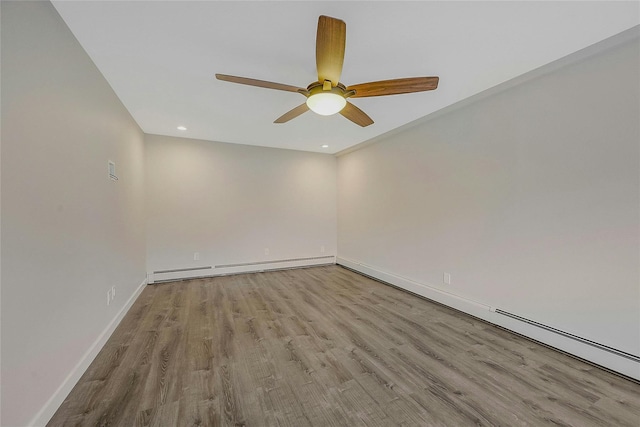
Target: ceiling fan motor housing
{"points": [[318, 87]]}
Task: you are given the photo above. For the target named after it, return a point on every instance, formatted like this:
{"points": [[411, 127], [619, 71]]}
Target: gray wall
{"points": [[230, 202], [529, 198], [69, 233]]}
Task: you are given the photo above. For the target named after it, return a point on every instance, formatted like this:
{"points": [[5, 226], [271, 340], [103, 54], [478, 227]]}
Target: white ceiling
{"points": [[160, 57]]}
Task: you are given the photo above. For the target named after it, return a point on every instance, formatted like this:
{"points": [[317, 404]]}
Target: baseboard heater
{"points": [[180, 270], [246, 264], [572, 336], [329, 258]]}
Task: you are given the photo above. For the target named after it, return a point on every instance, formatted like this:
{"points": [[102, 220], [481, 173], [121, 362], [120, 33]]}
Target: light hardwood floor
{"points": [[325, 346]]}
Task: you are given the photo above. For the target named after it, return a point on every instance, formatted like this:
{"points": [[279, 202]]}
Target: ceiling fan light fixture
{"points": [[326, 103]]}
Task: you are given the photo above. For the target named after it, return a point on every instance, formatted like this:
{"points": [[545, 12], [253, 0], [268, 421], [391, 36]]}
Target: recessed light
{"points": [[182, 128], [325, 146]]}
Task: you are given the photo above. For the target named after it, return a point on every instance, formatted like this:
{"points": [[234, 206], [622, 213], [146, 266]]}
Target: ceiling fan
{"points": [[328, 96]]}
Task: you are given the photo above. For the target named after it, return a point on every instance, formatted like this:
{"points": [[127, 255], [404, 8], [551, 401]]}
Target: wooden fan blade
{"points": [[330, 42], [394, 87], [292, 114], [259, 83], [356, 115]]}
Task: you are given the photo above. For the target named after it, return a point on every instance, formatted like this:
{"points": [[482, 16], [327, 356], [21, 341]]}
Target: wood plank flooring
{"points": [[325, 346]]}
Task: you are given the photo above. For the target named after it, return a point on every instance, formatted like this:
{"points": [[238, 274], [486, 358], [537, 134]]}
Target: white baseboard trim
{"points": [[51, 406], [250, 267], [485, 312]]}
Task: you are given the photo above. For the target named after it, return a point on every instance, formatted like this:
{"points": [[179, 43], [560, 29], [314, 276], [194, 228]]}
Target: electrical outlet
{"points": [[446, 278], [266, 251], [196, 256], [322, 249]]}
